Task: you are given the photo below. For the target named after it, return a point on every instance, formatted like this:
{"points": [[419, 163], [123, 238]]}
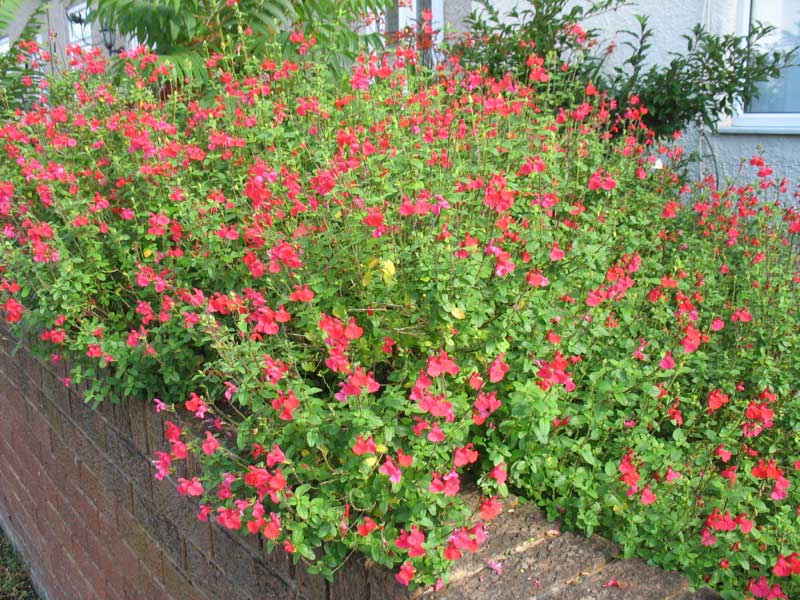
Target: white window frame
{"points": [[758, 123], [407, 17]]}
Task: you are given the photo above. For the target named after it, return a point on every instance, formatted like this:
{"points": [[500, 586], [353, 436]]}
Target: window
{"points": [[5, 45], [79, 30], [777, 110], [408, 14]]}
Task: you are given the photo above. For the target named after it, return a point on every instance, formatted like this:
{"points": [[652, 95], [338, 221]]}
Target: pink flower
{"points": [[667, 362], [495, 566], [490, 508], [465, 456], [498, 369], [498, 473], [412, 541], [535, 278], [441, 364], [191, 487], [196, 405], [648, 497], [406, 574], [391, 470], [762, 589], [363, 446], [210, 444], [366, 527]]}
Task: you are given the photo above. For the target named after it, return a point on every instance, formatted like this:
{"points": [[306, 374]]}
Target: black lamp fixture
{"points": [[109, 36]]}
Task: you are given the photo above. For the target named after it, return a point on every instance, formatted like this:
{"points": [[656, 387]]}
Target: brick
{"points": [[182, 511], [127, 562], [150, 583], [93, 488], [51, 385], [138, 424], [253, 575], [144, 547], [129, 460], [206, 576], [155, 430], [117, 484], [121, 418], [114, 582], [162, 531], [383, 586], [351, 580], [278, 560], [84, 418], [516, 528], [310, 587], [178, 586]]}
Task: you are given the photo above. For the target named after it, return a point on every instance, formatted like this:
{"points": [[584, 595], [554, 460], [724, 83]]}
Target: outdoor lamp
{"points": [[109, 38]]}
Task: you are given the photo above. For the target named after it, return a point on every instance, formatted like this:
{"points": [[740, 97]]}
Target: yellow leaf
{"points": [[388, 270], [371, 461], [366, 278], [380, 448], [457, 313]]}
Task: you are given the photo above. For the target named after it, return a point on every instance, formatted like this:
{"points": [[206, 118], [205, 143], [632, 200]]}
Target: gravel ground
{"points": [[14, 581]]}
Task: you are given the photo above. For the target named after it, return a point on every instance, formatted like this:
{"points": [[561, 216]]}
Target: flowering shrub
{"points": [[367, 294]]}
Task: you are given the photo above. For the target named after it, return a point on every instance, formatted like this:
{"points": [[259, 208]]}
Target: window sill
{"points": [[762, 124]]}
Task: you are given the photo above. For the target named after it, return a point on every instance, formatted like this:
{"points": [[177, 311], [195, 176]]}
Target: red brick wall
{"points": [[78, 499]]}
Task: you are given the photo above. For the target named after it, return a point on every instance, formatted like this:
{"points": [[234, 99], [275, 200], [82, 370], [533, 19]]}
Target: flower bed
{"points": [[367, 292]]}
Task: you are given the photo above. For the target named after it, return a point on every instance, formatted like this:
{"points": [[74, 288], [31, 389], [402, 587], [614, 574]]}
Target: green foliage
{"points": [[183, 31], [709, 80], [369, 290]]}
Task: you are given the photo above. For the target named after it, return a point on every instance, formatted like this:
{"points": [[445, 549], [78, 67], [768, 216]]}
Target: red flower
{"points": [[412, 541], [667, 362], [762, 589], [465, 456], [301, 294], [498, 369], [648, 497], [490, 508], [716, 400], [787, 565], [406, 573], [365, 528], [438, 365], [210, 444], [363, 446]]}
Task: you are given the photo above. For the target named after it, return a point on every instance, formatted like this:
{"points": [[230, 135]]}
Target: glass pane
{"points": [[392, 20], [5, 45], [422, 5], [780, 95]]}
